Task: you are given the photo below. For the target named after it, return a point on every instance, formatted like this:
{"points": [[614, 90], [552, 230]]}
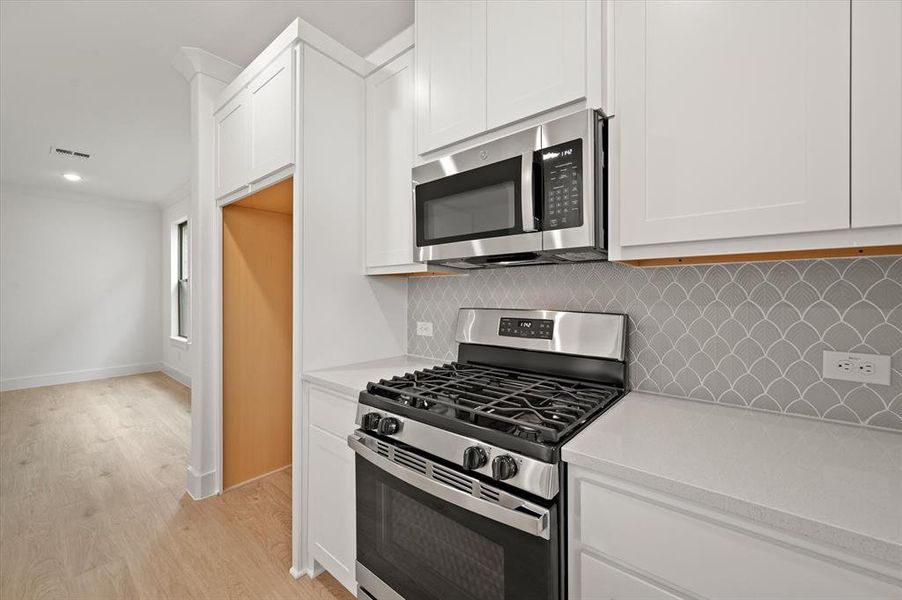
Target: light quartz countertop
{"points": [[836, 484], [351, 379]]}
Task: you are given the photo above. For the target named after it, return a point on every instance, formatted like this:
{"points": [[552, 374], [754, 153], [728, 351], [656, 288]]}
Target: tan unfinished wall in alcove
{"points": [[256, 335]]}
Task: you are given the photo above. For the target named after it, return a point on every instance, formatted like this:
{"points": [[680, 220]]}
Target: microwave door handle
{"points": [[526, 193]]}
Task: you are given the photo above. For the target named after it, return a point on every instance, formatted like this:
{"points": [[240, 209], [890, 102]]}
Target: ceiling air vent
{"points": [[66, 153]]}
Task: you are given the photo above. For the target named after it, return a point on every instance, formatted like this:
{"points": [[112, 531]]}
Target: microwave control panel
{"points": [[542, 329], [562, 185]]}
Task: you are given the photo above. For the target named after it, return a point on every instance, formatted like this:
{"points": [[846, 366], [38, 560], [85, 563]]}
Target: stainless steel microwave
{"points": [[537, 196]]}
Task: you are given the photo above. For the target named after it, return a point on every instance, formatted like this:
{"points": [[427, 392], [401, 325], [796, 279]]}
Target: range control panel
{"points": [[562, 185], [542, 329]]}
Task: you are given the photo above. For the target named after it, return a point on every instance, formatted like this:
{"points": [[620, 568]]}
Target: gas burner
{"points": [[523, 404]]}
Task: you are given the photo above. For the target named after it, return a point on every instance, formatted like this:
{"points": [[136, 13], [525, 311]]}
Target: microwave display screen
{"points": [[562, 185]]}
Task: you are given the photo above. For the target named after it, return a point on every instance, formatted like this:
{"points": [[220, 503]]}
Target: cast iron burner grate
{"points": [[525, 405]]}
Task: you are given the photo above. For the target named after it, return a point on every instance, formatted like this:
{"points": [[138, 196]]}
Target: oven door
{"points": [[422, 536], [479, 202]]}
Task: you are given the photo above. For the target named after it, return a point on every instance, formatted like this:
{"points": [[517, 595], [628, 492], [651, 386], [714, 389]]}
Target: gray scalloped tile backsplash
{"points": [[747, 334]]}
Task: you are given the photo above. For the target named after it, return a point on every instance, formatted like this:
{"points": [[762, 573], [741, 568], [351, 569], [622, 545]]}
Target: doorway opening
{"points": [[257, 335]]}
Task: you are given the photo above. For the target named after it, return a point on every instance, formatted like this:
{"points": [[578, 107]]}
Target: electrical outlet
{"points": [[424, 328], [864, 368]]}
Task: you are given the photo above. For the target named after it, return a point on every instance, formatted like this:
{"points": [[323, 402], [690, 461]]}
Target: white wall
{"points": [[79, 288], [176, 354]]}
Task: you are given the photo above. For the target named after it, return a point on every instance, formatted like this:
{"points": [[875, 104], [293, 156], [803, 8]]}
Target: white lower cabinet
{"points": [[602, 580], [330, 492], [627, 542]]}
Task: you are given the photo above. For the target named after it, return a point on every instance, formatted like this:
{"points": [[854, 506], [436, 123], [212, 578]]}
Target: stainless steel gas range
{"points": [[459, 484]]}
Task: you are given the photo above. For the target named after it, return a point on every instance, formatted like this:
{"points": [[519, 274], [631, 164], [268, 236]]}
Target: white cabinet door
{"points": [[389, 160], [232, 156], [272, 101], [332, 504], [696, 554], [733, 118], [599, 580], [535, 57], [876, 113], [450, 59]]}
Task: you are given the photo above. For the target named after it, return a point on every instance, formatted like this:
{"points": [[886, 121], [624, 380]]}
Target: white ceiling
{"points": [[96, 77]]}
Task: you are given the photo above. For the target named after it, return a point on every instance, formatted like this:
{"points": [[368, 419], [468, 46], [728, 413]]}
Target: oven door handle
{"points": [[519, 514]]}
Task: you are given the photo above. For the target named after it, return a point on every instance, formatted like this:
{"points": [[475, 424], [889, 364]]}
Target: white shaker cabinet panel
{"points": [[232, 156], [272, 103], [450, 67], [389, 160], [331, 492], [599, 580], [687, 548], [535, 57], [332, 522], [733, 118], [876, 113]]}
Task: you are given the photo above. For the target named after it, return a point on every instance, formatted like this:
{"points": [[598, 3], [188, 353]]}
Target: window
{"points": [[182, 319], [180, 271]]}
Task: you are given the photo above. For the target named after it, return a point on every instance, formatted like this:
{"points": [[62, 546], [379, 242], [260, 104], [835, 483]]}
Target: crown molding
{"points": [[391, 49], [190, 61]]}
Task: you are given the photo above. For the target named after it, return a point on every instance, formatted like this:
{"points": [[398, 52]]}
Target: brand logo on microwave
{"points": [[550, 155]]}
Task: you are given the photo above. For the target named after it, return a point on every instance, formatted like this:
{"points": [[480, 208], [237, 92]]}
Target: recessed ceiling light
{"points": [[72, 176]]}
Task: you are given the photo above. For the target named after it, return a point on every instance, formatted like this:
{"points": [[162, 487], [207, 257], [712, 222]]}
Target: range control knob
{"points": [[389, 426], [370, 421], [474, 458], [503, 467]]}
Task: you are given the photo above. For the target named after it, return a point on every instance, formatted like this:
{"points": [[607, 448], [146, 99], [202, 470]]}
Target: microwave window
{"points": [[490, 208]]}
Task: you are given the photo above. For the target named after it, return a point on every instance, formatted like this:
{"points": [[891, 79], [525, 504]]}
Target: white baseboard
{"points": [[297, 573], [202, 485], [21, 383], [179, 376]]}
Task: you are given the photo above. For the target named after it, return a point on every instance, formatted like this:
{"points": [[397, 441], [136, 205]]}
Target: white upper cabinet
{"points": [[255, 128], [484, 64], [232, 154], [535, 57], [389, 160], [876, 113], [732, 118], [272, 117], [450, 57]]}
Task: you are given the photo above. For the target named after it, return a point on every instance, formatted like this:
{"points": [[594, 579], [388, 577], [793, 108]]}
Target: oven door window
{"points": [[427, 549], [476, 204]]}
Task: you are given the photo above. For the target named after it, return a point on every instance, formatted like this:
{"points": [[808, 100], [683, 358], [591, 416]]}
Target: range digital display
{"points": [[542, 329]]}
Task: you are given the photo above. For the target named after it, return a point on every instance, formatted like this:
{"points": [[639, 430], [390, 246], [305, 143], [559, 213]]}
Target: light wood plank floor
{"points": [[92, 503]]}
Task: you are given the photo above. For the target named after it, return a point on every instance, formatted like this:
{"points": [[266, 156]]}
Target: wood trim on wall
{"points": [[765, 256], [256, 338]]}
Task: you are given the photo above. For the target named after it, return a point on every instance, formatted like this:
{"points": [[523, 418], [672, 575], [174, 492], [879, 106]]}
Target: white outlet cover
{"points": [[424, 328], [852, 366]]}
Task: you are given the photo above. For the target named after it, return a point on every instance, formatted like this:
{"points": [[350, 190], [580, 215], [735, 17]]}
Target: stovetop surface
{"points": [[517, 405]]}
